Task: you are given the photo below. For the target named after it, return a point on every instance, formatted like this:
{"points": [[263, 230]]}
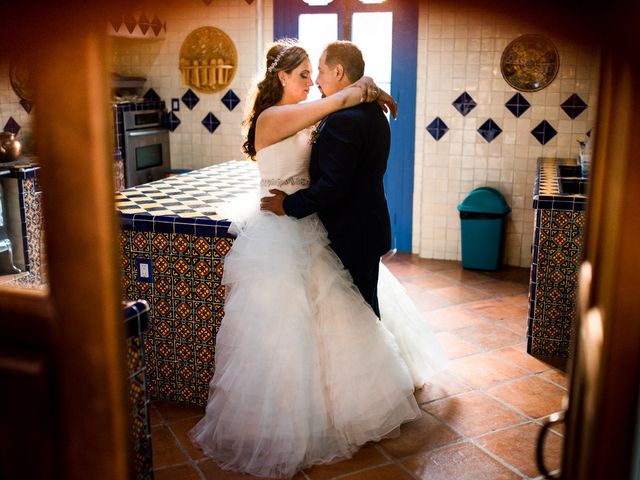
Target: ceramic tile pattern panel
{"points": [[173, 244], [136, 322], [557, 254], [187, 305], [31, 226]]}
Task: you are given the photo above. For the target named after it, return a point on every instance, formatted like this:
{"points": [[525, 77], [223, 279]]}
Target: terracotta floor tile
{"points": [[387, 472], [454, 346], [518, 355], [176, 411], [463, 461], [521, 299], [434, 265], [460, 294], [488, 336], [556, 376], [517, 324], [473, 413], [512, 274], [429, 281], [404, 270], [421, 435], [485, 369], [165, 448], [442, 384], [426, 301], [467, 277], [497, 309], [427, 263], [517, 447], [181, 472], [212, 471], [501, 288], [180, 429], [367, 457], [532, 395], [451, 318]]}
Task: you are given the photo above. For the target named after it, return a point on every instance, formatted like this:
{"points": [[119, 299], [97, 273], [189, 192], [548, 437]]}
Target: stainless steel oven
{"points": [[146, 146]]}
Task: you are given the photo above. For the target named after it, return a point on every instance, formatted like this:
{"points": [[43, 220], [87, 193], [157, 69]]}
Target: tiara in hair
{"points": [[274, 64]]}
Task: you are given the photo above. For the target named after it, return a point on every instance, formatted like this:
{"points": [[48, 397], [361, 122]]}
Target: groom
{"points": [[348, 161]]}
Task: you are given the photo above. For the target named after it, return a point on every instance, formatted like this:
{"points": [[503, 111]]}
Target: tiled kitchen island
{"points": [[557, 255], [172, 244]]}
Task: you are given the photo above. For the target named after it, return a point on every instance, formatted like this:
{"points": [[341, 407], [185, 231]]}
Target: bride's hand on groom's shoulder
{"points": [[371, 93], [387, 103], [273, 204]]}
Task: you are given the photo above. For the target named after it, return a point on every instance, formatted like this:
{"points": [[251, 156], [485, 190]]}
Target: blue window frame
{"points": [[399, 177]]}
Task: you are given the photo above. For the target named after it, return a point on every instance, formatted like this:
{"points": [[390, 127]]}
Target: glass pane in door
{"points": [[371, 31], [315, 31]]}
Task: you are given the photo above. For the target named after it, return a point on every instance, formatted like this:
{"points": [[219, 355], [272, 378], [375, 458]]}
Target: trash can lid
{"points": [[484, 200]]}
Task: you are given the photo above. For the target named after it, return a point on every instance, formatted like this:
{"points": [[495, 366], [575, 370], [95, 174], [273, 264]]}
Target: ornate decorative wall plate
{"points": [[530, 63], [208, 60], [20, 77]]}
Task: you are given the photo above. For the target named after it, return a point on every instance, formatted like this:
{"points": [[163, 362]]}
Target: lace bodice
{"points": [[285, 165]]}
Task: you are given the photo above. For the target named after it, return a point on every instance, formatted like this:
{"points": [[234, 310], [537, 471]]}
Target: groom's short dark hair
{"points": [[348, 55]]}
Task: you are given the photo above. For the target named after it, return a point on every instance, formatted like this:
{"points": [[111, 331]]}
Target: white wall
{"points": [[192, 146], [459, 50]]}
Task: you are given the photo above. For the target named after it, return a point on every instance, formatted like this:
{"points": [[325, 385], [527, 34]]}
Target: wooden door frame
{"points": [[605, 385], [77, 323]]}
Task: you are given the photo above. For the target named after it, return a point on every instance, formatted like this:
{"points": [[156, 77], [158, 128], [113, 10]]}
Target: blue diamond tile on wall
{"points": [[172, 121], [210, 122], [544, 132], [517, 104], [190, 99], [464, 104], [489, 130], [230, 100], [151, 95], [437, 128], [573, 106], [12, 126]]}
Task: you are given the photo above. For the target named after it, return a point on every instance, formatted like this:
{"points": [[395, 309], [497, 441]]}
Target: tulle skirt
{"points": [[305, 372]]}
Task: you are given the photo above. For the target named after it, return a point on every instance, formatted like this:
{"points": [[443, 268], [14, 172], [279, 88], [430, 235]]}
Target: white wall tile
{"points": [[472, 44]]}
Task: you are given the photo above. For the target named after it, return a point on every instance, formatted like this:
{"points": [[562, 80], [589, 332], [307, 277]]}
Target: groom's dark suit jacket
{"points": [[348, 162]]}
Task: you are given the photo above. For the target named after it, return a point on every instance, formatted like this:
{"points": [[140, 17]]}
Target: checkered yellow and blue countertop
{"points": [[187, 203], [546, 192]]}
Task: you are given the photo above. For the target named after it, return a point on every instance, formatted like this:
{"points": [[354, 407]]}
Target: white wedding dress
{"points": [[305, 372]]}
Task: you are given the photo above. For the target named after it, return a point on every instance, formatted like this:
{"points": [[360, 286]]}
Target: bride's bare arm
{"points": [[281, 121]]}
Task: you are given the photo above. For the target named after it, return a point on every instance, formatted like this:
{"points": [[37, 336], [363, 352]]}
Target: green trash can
{"points": [[482, 215]]}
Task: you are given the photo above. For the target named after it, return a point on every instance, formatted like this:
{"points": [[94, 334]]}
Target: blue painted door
{"points": [[404, 33]]}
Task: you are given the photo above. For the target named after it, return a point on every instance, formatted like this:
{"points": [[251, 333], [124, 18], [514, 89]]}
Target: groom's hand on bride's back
{"points": [[273, 204]]}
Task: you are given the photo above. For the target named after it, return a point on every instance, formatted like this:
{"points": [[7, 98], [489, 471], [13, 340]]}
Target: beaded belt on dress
{"points": [[279, 182]]}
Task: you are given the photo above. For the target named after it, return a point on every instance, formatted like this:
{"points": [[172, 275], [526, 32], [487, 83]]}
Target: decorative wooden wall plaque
{"points": [[208, 60]]}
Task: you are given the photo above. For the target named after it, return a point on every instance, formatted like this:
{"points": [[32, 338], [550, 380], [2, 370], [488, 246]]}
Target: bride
{"points": [[305, 372]]}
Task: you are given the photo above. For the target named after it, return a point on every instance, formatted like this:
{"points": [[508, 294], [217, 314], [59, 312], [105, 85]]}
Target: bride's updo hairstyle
{"points": [[284, 55]]}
